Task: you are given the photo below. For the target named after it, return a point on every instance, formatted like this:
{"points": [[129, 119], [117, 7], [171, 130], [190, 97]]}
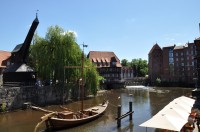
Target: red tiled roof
{"points": [[102, 59], [4, 55], [98, 60], [94, 60], [105, 56], [106, 60]]}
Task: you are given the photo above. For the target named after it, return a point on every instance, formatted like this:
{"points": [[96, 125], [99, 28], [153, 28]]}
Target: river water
{"points": [[147, 102]]}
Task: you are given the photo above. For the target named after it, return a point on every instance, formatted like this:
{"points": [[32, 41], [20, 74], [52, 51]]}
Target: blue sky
{"points": [[128, 27]]}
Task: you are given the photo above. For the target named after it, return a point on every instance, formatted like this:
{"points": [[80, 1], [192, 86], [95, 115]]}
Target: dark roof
{"points": [[197, 38], [19, 68], [156, 46], [103, 56], [17, 48], [170, 46]]}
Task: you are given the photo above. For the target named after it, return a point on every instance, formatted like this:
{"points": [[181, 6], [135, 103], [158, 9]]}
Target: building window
{"points": [[176, 59], [181, 53], [8, 63], [171, 60], [182, 58], [176, 54], [171, 54]]}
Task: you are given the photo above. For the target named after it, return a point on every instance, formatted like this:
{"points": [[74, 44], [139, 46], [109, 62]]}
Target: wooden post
{"points": [[118, 116], [130, 110], [47, 124]]}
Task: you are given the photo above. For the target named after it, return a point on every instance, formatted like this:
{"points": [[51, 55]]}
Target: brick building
{"points": [[155, 62], [108, 65], [174, 64]]}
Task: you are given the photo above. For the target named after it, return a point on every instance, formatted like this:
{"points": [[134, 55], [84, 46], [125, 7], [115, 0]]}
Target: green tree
{"points": [[140, 67], [49, 55], [124, 62]]}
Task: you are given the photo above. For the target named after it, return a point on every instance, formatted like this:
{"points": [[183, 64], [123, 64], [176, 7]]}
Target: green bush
{"points": [[158, 81], [3, 107]]}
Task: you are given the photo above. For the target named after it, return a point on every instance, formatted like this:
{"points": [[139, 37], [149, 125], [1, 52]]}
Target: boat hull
{"points": [[60, 123]]}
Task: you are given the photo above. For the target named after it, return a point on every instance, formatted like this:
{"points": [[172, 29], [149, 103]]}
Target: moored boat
{"points": [[68, 119]]}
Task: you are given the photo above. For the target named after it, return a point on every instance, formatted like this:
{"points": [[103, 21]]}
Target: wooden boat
{"points": [[68, 119]]}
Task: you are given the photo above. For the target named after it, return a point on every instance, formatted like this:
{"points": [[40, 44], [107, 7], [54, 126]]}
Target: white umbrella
{"points": [[185, 100], [175, 112], [173, 116], [164, 121], [188, 100], [180, 106]]}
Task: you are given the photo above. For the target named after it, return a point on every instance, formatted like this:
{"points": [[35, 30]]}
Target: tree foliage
{"points": [[124, 62], [140, 67], [49, 55]]}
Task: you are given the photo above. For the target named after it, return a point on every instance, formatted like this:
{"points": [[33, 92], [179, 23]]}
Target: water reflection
{"points": [[146, 103]]}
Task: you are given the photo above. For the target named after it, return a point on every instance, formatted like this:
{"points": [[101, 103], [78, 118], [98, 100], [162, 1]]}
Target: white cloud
{"points": [[74, 32], [70, 32]]}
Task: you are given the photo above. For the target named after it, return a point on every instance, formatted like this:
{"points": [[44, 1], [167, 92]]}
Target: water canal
{"points": [[146, 103]]}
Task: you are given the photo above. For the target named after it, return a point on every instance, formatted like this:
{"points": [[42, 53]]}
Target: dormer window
{"points": [[8, 63], [113, 63]]}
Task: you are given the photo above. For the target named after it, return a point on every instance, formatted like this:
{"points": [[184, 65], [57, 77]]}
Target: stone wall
{"points": [[1, 80], [15, 97]]}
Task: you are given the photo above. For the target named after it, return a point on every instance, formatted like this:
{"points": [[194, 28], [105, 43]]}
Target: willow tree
{"points": [[49, 55]]}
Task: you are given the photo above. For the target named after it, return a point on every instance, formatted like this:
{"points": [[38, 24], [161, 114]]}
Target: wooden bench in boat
{"points": [[95, 108], [65, 115]]}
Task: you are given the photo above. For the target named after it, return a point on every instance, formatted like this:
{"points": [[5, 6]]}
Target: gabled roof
{"points": [[4, 55], [179, 47], [104, 56], [156, 46]]}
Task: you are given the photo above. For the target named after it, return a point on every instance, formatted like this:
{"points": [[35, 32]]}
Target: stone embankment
{"points": [[12, 98]]}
